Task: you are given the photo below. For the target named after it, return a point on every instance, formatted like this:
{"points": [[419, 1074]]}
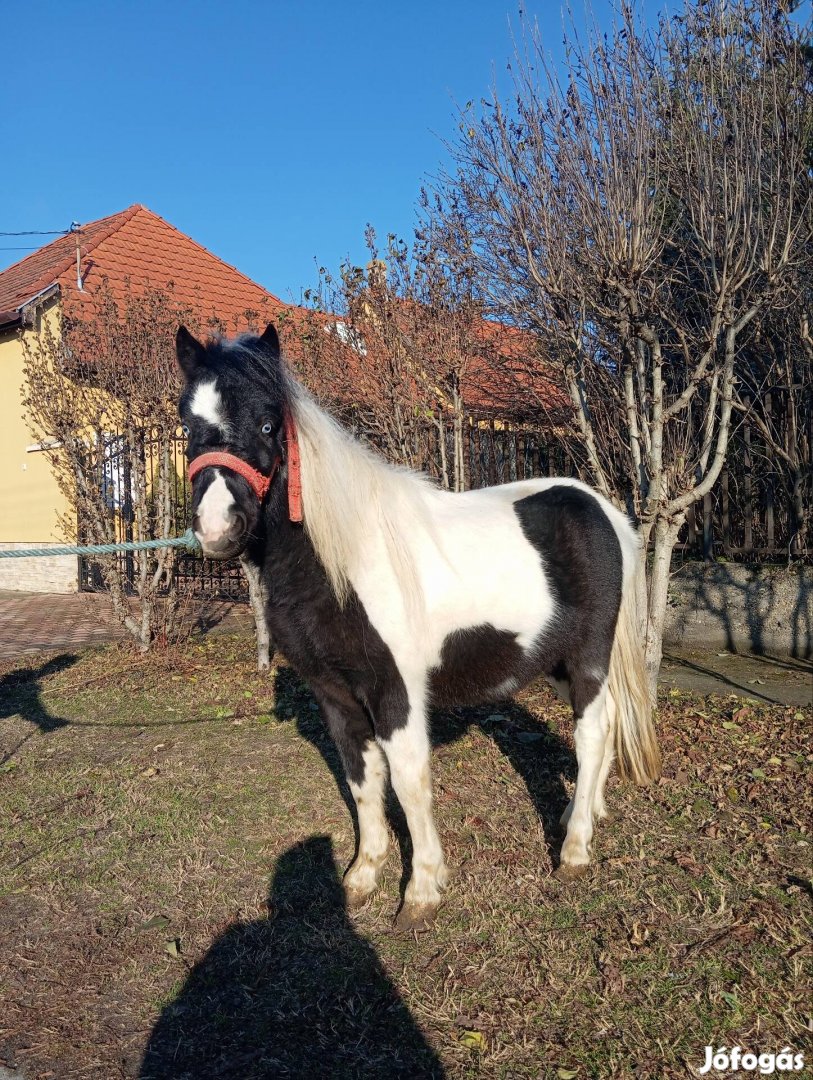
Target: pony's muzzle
{"points": [[219, 524], [223, 543]]}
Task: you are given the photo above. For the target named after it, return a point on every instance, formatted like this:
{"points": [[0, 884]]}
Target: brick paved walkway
{"points": [[30, 622]]}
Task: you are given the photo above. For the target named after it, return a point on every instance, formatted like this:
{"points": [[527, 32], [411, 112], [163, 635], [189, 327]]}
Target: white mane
{"points": [[351, 498]]}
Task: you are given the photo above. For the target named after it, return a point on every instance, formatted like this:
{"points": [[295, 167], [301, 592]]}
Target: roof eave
{"points": [[24, 314]]}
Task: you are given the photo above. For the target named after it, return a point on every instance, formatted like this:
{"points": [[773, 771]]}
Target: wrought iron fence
{"points": [[202, 578], [749, 515]]}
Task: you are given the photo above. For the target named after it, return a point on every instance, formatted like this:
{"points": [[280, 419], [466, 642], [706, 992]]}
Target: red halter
{"points": [[257, 481]]}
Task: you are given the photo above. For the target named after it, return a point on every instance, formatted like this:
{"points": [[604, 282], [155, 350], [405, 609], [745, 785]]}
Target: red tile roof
{"points": [[139, 246]]}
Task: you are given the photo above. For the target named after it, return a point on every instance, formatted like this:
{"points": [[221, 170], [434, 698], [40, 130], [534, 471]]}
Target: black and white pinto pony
{"points": [[391, 596]]}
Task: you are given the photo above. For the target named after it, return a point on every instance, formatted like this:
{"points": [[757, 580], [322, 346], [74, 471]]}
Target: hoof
{"points": [[361, 881], [354, 899], [609, 817], [568, 872], [416, 916]]}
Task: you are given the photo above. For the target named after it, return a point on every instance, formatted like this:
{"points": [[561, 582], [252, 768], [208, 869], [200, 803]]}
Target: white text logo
{"points": [[735, 1059]]}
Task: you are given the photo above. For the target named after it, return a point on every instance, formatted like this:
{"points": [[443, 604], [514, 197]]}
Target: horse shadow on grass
{"points": [[296, 994], [538, 755], [21, 695]]}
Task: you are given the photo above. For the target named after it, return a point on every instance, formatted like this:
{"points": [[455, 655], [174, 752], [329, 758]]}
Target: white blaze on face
{"points": [[207, 404], [215, 511]]}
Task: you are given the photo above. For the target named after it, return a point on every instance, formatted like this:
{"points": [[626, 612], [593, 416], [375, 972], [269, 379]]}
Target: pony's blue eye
{"points": [[267, 429], [185, 429]]}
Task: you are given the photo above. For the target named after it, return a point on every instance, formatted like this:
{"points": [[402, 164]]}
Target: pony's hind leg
{"points": [[600, 811], [592, 728], [366, 770], [407, 749]]}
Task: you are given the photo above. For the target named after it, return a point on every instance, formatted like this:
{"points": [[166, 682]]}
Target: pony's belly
{"points": [[478, 664]]}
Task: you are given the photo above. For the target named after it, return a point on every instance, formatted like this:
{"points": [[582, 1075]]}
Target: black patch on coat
{"points": [[582, 561], [473, 662], [337, 651]]}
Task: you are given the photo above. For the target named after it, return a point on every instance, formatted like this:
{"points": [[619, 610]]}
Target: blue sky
{"points": [[270, 132]]}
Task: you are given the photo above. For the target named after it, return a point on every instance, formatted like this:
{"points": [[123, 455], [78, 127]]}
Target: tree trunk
{"points": [[444, 464], [257, 598], [666, 534]]}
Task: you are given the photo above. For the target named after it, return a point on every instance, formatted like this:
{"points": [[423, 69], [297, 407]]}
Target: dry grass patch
{"points": [[174, 832]]}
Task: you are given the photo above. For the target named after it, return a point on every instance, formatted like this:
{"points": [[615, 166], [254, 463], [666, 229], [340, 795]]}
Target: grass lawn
{"points": [[174, 831]]}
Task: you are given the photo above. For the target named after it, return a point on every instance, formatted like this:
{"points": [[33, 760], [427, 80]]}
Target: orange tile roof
{"points": [[138, 245]]}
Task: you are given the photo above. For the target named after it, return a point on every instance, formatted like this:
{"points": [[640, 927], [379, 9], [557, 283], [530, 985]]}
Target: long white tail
{"points": [[636, 744]]}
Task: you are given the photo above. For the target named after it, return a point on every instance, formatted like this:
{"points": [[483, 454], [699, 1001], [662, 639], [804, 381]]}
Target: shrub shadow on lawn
{"points": [[298, 994], [21, 695]]}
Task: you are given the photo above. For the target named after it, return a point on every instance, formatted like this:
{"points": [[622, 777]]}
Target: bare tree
{"points": [[773, 394], [101, 387], [392, 345], [640, 214]]}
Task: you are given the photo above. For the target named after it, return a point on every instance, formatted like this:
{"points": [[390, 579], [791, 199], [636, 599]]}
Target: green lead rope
{"points": [[188, 541]]}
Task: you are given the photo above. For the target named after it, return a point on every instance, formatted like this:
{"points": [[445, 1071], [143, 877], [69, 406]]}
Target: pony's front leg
{"points": [[366, 771], [407, 749]]}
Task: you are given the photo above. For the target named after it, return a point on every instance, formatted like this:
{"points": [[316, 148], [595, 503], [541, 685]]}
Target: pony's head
{"points": [[232, 410]]}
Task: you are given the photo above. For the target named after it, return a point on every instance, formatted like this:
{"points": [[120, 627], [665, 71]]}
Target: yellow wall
{"points": [[30, 501]]}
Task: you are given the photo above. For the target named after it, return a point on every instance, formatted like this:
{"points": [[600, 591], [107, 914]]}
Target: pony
{"points": [[389, 596]]}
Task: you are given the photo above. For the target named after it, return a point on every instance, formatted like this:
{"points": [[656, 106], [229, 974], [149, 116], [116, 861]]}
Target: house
{"points": [[137, 247]]}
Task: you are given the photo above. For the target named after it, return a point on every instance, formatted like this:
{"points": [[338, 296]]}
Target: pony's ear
{"points": [[270, 339], [190, 352]]}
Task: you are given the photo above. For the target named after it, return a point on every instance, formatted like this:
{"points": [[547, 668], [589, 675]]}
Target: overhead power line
{"points": [[39, 232]]}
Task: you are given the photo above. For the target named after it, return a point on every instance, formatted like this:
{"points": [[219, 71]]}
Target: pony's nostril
{"points": [[238, 526]]}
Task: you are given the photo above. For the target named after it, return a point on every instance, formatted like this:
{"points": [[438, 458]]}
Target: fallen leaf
{"points": [[685, 862], [567, 1074], [474, 1040], [744, 932], [613, 979], [157, 921], [466, 1022], [173, 947], [639, 933]]}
